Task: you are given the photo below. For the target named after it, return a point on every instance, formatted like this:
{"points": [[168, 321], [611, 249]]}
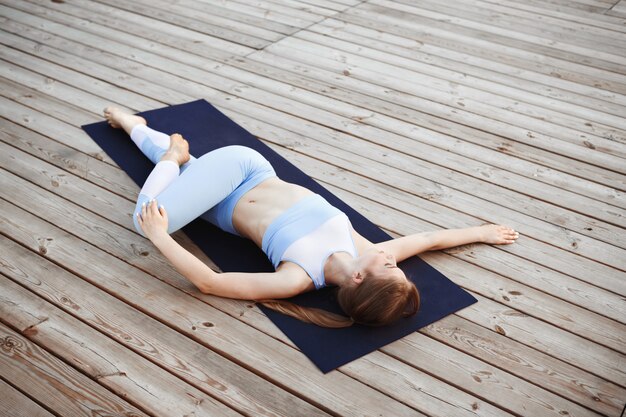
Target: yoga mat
{"points": [[206, 128]]}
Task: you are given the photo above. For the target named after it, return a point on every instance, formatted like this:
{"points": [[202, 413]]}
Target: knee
{"points": [[137, 212], [234, 155], [137, 226]]}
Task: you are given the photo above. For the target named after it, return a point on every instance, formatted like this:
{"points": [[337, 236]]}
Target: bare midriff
{"points": [[260, 206]]}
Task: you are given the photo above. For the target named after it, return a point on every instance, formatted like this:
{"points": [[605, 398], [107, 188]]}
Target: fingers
{"points": [[510, 236], [153, 208], [163, 212], [146, 210]]}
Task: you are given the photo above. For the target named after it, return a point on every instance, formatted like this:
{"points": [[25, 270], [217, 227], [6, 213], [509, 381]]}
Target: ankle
{"points": [[170, 156]]}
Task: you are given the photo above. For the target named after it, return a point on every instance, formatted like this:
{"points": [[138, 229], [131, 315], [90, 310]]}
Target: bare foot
{"points": [[178, 150], [118, 118], [498, 235]]}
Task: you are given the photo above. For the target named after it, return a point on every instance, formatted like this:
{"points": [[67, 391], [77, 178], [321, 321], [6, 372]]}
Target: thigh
{"points": [[203, 185]]}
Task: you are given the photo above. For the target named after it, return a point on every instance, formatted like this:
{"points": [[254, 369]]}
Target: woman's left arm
{"points": [[407, 246]]}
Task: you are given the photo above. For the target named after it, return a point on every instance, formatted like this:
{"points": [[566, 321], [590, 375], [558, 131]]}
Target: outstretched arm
{"points": [[245, 286], [407, 246]]}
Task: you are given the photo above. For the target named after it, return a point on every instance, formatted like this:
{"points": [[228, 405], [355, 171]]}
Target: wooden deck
{"points": [[420, 114]]}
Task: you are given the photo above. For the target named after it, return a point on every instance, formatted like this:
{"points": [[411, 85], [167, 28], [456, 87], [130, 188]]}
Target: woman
{"points": [[310, 243]]}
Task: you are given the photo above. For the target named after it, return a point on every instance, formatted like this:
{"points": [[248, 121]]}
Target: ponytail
{"points": [[375, 302], [308, 314]]}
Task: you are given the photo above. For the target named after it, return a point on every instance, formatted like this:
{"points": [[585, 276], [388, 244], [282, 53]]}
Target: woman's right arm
{"points": [[288, 281]]}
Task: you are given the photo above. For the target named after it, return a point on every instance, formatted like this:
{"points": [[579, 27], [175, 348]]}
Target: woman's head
{"points": [[379, 292]]}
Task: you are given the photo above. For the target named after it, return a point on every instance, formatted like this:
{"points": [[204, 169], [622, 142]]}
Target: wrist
{"points": [[481, 234], [159, 238]]}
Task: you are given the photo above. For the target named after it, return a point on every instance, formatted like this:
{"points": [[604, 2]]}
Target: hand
{"points": [[153, 219], [498, 234]]}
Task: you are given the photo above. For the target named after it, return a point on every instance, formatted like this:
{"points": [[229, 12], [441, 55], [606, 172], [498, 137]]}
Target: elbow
{"points": [[205, 283], [204, 289]]}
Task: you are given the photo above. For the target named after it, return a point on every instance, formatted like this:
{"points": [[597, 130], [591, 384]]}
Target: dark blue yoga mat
{"points": [[206, 128]]}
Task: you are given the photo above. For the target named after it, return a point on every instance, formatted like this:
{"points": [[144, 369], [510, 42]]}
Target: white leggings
{"points": [[207, 187]]}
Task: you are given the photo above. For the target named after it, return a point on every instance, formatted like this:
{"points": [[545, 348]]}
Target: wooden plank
{"points": [[568, 284], [521, 27], [48, 210], [598, 146], [23, 165], [392, 364], [177, 354], [120, 370], [466, 372], [504, 353], [263, 19], [49, 126], [495, 150], [549, 87], [607, 275], [520, 269], [125, 22], [434, 103], [560, 285], [178, 83], [118, 237], [425, 392], [509, 149], [183, 12], [41, 375], [504, 149], [262, 116], [530, 60], [298, 14], [598, 124], [619, 9], [573, 7], [69, 159], [496, 347], [269, 358], [52, 207], [608, 193], [15, 75], [58, 77], [585, 18], [229, 35], [503, 36], [16, 404], [254, 42], [214, 375], [42, 102], [376, 71], [117, 234], [209, 45], [562, 23], [292, 8]]}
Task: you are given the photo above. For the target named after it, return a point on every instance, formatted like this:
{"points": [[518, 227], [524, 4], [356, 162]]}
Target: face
{"points": [[377, 262]]}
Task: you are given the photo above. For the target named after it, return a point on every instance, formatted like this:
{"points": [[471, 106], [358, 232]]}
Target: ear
{"points": [[357, 277]]}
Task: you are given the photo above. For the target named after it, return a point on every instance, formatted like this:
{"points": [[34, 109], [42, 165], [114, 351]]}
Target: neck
{"points": [[338, 268]]}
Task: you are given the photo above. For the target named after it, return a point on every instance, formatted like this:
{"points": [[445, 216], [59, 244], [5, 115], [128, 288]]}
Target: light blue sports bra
{"points": [[307, 234]]}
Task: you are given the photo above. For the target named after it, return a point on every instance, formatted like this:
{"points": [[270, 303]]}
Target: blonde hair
{"points": [[376, 301]]}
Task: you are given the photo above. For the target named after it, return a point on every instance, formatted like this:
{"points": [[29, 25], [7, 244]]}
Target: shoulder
{"points": [[295, 277], [361, 243]]}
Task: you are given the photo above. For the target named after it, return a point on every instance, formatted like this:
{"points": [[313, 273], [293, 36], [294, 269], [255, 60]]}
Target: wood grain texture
{"points": [[54, 383], [420, 115], [16, 404]]}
